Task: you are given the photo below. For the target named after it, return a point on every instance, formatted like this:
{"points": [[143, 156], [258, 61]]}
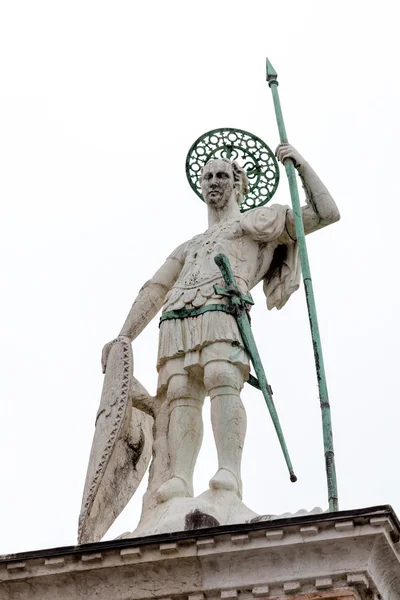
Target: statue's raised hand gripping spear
{"points": [[201, 350]]}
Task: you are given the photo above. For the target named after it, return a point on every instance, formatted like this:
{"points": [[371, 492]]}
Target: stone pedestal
{"points": [[352, 555]]}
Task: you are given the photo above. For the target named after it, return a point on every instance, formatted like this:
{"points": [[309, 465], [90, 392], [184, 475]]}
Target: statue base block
{"points": [[213, 508], [351, 555]]}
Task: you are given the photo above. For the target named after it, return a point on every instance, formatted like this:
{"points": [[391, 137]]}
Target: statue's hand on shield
{"points": [[106, 350], [285, 151]]}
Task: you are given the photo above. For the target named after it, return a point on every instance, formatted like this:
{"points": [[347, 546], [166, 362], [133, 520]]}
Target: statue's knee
{"points": [[222, 377], [183, 391]]}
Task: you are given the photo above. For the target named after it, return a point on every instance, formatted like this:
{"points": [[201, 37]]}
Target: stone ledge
{"points": [[247, 561], [362, 516]]}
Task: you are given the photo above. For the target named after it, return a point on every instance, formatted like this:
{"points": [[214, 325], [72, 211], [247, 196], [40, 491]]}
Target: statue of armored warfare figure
{"points": [[200, 353]]}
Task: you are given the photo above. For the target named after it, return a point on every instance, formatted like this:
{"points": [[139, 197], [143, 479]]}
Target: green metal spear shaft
{"points": [[237, 302], [272, 79]]}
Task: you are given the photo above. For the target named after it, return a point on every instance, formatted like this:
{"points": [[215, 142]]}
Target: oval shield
{"points": [[121, 448]]}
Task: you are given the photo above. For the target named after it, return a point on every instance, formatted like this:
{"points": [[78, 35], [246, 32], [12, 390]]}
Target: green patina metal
{"points": [[238, 302], [185, 313], [248, 150], [312, 311]]}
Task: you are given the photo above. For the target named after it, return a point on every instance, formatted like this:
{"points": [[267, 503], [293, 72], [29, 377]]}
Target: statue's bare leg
{"points": [[185, 433], [223, 381]]}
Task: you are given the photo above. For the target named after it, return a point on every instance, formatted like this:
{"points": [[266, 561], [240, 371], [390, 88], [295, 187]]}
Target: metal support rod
{"points": [[312, 311]]}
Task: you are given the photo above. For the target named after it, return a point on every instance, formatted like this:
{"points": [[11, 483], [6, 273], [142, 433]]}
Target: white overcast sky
{"points": [[99, 103]]}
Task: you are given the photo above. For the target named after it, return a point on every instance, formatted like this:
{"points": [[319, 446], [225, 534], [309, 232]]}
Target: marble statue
{"points": [[197, 356]]}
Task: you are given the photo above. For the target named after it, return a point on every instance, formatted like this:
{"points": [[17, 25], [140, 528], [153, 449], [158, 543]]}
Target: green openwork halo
{"points": [[250, 152]]}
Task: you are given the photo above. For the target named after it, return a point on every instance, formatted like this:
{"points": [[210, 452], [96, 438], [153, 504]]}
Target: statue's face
{"points": [[217, 183]]}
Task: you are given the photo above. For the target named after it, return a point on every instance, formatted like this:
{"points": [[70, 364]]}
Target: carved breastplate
{"points": [[195, 284]]}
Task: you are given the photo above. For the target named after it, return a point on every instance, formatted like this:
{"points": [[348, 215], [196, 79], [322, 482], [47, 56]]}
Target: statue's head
{"points": [[220, 180]]}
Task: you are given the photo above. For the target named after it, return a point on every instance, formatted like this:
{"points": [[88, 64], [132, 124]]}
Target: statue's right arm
{"points": [[149, 300]]}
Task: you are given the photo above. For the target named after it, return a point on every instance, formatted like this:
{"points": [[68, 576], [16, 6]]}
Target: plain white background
{"points": [[99, 103]]}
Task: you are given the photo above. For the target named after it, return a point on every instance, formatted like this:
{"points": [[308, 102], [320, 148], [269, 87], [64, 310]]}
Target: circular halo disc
{"points": [[248, 150]]}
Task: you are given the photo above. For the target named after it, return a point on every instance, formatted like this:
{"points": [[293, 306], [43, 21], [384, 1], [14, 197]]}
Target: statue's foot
{"points": [[224, 479], [176, 486]]}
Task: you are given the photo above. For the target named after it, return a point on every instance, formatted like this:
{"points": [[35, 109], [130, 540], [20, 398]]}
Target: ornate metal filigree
{"points": [[251, 153]]}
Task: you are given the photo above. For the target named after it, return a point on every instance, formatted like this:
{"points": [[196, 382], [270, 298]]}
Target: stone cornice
{"points": [[353, 554]]}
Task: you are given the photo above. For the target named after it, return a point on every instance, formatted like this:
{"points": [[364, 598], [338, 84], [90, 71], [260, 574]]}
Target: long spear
{"points": [[272, 78]]}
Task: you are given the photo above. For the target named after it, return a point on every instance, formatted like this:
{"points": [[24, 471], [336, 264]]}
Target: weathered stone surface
{"points": [[121, 447], [129, 554], [198, 356], [196, 519], [260, 591], [309, 531], [345, 526], [331, 565], [324, 583]]}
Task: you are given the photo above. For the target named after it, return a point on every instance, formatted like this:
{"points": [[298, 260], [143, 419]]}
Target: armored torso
{"points": [[249, 243]]}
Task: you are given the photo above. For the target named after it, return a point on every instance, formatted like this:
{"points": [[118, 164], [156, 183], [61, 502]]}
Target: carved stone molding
{"points": [[316, 557]]}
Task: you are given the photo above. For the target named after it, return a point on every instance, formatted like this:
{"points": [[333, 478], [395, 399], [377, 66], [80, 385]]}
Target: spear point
{"points": [[272, 75]]}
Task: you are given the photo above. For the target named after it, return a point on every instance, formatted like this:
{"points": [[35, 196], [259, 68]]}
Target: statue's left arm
{"points": [[321, 209]]}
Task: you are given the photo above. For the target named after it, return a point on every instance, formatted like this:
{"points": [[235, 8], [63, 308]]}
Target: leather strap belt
{"points": [[184, 313]]}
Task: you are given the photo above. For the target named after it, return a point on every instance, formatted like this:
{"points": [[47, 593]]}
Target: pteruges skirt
{"points": [[195, 341]]}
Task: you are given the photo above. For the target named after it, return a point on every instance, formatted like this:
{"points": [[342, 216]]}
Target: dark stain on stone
{"points": [[197, 520]]}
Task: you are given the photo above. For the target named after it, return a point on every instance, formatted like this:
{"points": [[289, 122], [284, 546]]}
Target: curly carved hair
{"points": [[239, 177]]}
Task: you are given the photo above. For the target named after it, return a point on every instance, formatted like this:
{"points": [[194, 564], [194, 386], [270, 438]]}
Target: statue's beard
{"points": [[218, 198]]}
